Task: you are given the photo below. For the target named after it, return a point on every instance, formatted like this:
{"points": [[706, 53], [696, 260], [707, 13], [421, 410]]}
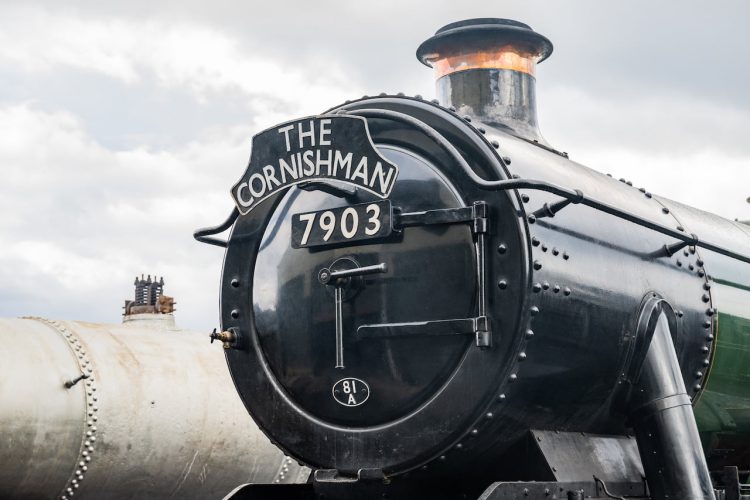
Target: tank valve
{"points": [[72, 382], [227, 338]]}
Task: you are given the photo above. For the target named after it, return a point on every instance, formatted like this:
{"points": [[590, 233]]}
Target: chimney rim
{"points": [[483, 29]]}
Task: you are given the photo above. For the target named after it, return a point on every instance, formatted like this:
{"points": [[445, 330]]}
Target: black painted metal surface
{"points": [[563, 300]]}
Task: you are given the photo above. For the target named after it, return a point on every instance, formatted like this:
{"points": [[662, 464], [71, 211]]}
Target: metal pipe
{"points": [[664, 424]]}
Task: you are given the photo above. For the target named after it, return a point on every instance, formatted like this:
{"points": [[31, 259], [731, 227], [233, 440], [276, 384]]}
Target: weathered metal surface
{"points": [[158, 416]]}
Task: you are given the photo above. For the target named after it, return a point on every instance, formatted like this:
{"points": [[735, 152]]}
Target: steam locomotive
{"points": [[424, 299]]}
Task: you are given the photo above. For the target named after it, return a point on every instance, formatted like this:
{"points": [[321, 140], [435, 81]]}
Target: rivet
{"points": [[680, 228], [534, 310], [418, 96], [710, 337], [235, 282], [705, 298], [502, 284], [699, 262], [707, 324], [545, 285], [710, 311], [506, 160], [529, 333], [536, 287], [698, 374], [665, 210], [679, 263], [433, 101], [459, 446], [235, 313], [706, 286], [566, 256], [525, 198], [692, 249], [501, 397], [442, 457], [701, 273], [647, 194], [481, 130], [474, 432], [686, 253], [495, 144], [537, 265], [555, 251], [532, 219], [502, 248], [642, 190], [697, 387], [691, 267], [521, 356], [513, 377], [566, 291], [704, 349], [544, 248], [535, 241], [489, 415], [452, 108], [706, 362]]}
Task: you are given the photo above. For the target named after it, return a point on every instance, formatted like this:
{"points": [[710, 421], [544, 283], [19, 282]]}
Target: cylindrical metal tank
{"points": [[156, 417]]}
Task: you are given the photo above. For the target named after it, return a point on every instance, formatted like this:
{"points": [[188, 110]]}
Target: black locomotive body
{"points": [[524, 327]]}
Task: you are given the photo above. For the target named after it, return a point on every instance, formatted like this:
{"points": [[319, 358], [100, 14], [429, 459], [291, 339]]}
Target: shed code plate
{"points": [[342, 225], [351, 391]]}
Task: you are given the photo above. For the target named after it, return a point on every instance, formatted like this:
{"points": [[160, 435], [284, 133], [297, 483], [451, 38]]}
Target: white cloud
{"points": [[80, 220], [183, 55]]}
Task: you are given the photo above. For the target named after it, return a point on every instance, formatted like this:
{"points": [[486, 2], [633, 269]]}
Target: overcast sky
{"points": [[123, 126]]}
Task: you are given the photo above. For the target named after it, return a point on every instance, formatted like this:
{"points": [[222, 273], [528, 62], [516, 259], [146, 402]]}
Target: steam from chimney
{"points": [[486, 68]]}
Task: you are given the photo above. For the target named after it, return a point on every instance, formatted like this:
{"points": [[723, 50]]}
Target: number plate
{"points": [[342, 225]]}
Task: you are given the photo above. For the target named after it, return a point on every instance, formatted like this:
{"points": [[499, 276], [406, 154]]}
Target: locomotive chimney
{"points": [[485, 68]]}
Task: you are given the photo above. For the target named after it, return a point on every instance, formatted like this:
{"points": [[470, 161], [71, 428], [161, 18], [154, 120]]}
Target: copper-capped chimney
{"points": [[486, 68]]}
